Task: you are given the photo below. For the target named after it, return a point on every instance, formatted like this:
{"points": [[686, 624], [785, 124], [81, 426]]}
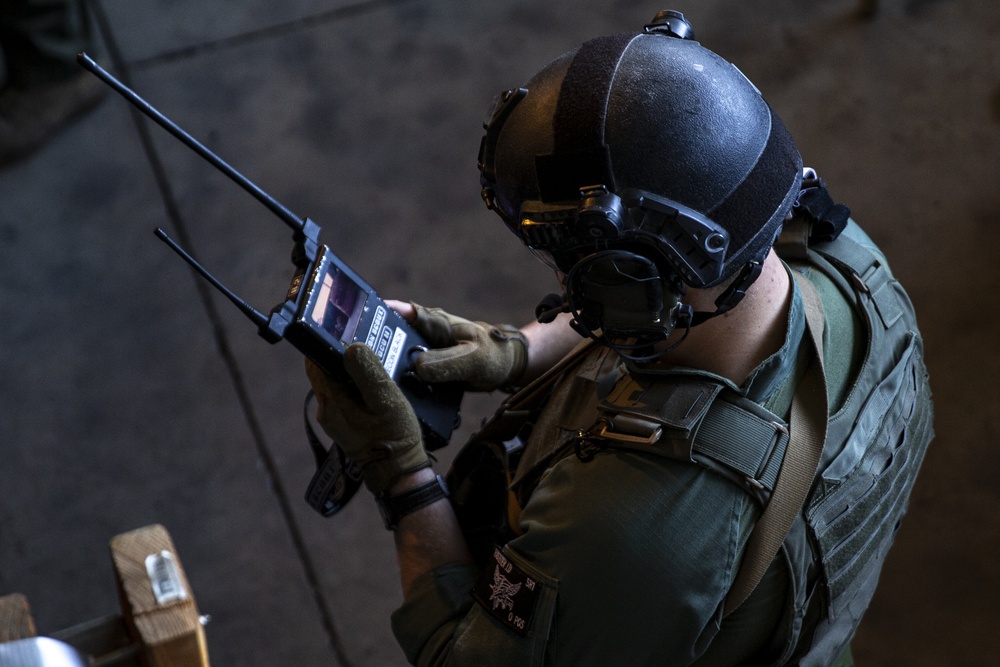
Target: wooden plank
{"points": [[15, 618], [157, 603]]}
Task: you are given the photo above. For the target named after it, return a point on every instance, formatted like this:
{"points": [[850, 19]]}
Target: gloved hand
{"points": [[483, 356], [371, 421]]}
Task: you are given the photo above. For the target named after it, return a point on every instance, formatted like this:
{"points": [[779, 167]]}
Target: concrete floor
{"points": [[132, 396]]}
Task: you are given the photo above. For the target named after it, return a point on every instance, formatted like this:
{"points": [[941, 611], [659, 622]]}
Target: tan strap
{"points": [[807, 436]]}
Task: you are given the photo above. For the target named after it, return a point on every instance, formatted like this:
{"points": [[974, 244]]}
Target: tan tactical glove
{"points": [[371, 421], [483, 356]]}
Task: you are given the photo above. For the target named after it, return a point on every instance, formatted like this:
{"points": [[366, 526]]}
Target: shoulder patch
{"points": [[506, 592]]}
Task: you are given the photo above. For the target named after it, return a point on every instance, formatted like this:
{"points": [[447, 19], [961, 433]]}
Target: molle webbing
{"points": [[855, 523], [876, 440], [866, 483]]}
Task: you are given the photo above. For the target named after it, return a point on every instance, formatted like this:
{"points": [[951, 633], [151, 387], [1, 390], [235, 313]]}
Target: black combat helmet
{"points": [[649, 145]]}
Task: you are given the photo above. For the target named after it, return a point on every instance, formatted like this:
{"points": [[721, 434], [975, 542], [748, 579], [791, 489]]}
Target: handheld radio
{"points": [[327, 308]]}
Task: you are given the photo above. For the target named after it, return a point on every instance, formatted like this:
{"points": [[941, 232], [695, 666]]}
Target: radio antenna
{"points": [[290, 219], [255, 315]]}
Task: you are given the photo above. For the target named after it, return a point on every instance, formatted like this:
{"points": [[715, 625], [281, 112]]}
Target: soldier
{"points": [[714, 476]]}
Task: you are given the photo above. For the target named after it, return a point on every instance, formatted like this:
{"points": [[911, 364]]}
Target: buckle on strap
{"points": [[627, 428]]}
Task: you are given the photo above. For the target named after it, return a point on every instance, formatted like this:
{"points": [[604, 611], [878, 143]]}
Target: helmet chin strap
{"points": [[734, 293]]}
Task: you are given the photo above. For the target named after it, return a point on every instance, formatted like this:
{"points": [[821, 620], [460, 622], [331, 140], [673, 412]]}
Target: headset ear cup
{"points": [[634, 336], [622, 295]]}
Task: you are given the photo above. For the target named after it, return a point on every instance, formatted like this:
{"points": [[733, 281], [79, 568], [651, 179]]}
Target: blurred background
{"points": [[131, 395]]}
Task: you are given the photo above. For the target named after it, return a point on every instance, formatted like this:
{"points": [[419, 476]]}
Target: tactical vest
{"points": [[875, 443]]}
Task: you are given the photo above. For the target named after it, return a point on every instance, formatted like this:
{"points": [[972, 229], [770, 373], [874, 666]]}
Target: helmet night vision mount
{"points": [[639, 165]]}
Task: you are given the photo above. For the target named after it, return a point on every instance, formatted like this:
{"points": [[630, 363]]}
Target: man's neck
{"points": [[736, 342]]}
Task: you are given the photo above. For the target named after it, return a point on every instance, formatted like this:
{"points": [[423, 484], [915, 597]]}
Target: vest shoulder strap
{"points": [[694, 419]]}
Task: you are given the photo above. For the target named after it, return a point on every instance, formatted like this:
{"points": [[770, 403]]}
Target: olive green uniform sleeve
{"points": [[437, 602], [632, 577]]}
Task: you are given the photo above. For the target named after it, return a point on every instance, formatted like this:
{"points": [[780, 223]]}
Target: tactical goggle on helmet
{"points": [[638, 165]]}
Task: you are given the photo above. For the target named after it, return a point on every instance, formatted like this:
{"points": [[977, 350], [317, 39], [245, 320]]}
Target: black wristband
{"points": [[394, 508]]}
